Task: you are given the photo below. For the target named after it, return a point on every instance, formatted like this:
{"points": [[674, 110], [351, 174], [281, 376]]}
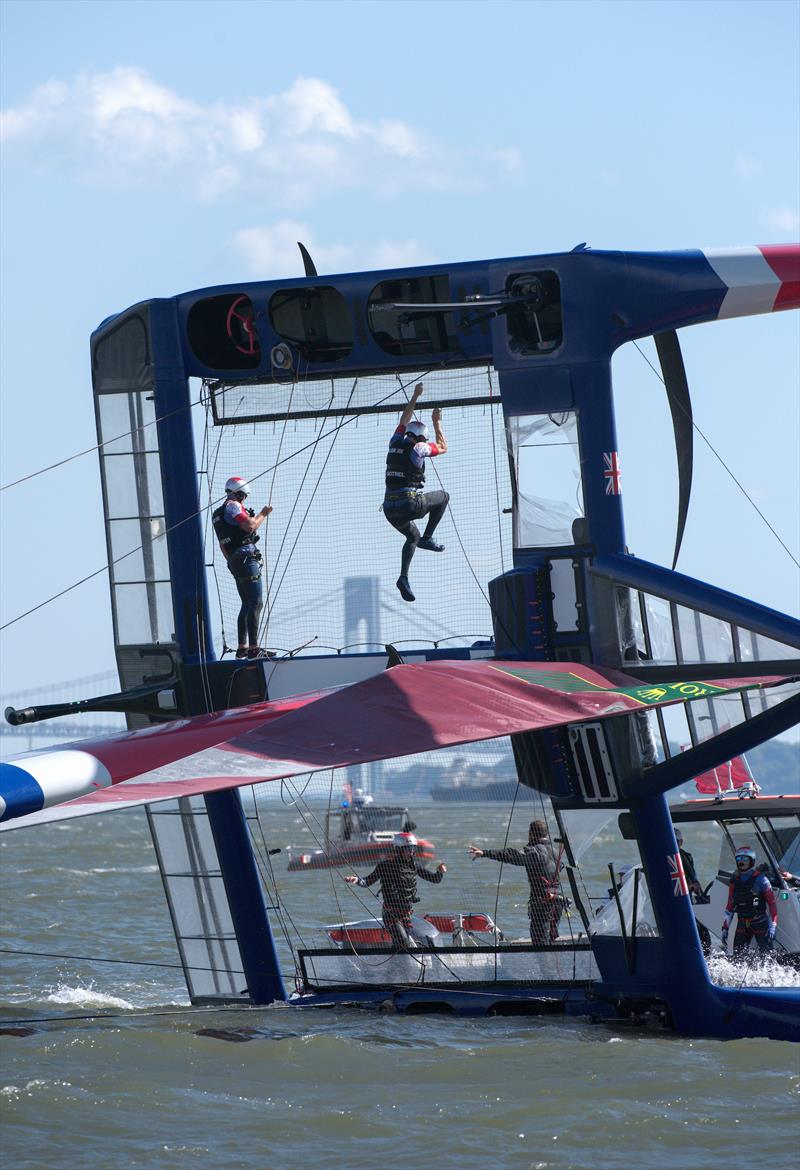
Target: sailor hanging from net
{"points": [[406, 499], [236, 530]]}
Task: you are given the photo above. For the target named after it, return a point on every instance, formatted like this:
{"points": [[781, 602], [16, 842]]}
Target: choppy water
{"points": [[347, 1089]]}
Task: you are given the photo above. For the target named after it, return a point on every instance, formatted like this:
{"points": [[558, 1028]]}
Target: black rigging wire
{"points": [[192, 516], [717, 455], [98, 446], [272, 569], [273, 599]]}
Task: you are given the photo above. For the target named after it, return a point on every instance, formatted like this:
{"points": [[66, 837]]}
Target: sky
{"points": [[152, 148]]}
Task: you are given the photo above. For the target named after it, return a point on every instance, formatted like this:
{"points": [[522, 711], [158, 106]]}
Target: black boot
{"points": [[405, 589]]}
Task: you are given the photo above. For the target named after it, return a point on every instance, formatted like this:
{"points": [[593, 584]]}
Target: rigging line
{"points": [[279, 909], [334, 889], [463, 549], [98, 446], [264, 624], [502, 863], [717, 455], [193, 516], [305, 515], [209, 477], [136, 1014], [124, 962], [272, 489], [496, 477], [310, 819]]}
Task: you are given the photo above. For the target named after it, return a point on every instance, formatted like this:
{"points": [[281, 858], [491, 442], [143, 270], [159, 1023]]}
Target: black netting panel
{"points": [[331, 558]]}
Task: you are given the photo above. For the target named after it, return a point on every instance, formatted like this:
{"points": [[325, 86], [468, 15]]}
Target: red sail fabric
{"points": [[734, 774], [408, 709]]}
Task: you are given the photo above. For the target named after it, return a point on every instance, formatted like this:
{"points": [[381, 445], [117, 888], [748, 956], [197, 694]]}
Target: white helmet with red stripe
{"points": [[404, 841], [236, 484], [415, 427]]}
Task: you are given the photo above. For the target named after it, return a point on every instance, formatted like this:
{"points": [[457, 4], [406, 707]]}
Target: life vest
{"points": [[748, 901], [230, 536], [401, 473]]}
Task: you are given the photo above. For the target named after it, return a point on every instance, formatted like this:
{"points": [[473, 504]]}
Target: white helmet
{"points": [[404, 840], [415, 427], [237, 484]]}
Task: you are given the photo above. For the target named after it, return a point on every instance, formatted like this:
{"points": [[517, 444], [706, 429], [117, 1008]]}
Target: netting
{"points": [[331, 559], [325, 830]]}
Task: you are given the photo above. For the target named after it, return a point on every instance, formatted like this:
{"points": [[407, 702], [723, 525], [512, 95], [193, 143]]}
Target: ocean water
{"points": [[104, 1065]]}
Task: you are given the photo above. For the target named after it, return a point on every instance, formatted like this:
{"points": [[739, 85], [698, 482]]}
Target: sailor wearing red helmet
{"points": [[235, 527], [751, 899]]}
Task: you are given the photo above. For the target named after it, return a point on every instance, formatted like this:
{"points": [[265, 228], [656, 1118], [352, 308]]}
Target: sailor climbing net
{"points": [[315, 451]]}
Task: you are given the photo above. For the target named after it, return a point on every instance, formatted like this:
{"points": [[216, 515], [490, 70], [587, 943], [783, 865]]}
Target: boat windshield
{"points": [[778, 836], [359, 822]]}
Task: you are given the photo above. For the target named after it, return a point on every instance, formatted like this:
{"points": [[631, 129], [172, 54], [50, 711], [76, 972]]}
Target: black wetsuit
{"points": [[398, 879], [690, 874], [545, 903], [405, 499]]}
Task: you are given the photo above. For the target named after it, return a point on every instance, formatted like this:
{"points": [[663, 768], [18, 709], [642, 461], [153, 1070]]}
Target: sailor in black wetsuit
{"points": [[398, 878], [406, 500], [235, 528], [545, 903]]}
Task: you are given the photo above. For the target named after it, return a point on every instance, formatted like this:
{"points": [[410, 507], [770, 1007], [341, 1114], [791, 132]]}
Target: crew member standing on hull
{"points": [[752, 899], [406, 500], [545, 903], [398, 878], [235, 527]]}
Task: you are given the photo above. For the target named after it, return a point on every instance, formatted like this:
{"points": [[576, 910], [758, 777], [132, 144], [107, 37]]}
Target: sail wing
{"points": [[408, 709]]}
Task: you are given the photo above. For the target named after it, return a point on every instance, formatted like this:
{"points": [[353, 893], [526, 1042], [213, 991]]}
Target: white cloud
{"points": [[746, 166], [270, 252], [122, 127], [783, 221]]}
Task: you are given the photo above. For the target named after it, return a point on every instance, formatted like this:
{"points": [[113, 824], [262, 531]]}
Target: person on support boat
{"points": [[398, 878], [545, 903], [752, 900], [235, 528], [405, 499]]}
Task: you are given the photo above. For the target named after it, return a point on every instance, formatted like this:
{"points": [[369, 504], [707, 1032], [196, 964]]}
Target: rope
{"points": [[461, 542], [97, 446], [305, 514], [717, 455], [192, 516], [270, 604], [496, 477], [124, 962]]}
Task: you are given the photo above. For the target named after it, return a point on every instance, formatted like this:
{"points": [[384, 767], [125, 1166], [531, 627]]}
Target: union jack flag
{"points": [[612, 473], [679, 885]]}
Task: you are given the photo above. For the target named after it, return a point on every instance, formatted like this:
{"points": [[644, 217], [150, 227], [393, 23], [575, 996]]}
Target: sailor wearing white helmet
{"points": [[752, 900], [398, 881], [405, 499], [235, 528]]}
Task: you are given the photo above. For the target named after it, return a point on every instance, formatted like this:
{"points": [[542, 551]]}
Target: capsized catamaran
{"points": [[599, 668]]}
